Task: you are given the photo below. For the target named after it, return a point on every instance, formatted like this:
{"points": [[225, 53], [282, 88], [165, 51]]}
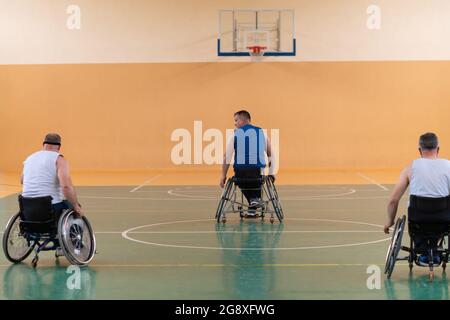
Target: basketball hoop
{"points": [[256, 51]]}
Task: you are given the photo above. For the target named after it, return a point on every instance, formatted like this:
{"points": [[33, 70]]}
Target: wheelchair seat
{"points": [[425, 210], [232, 200], [37, 215], [38, 227], [237, 180], [428, 224], [429, 219]]}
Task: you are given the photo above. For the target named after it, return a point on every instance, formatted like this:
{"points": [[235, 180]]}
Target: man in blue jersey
{"points": [[249, 147]]}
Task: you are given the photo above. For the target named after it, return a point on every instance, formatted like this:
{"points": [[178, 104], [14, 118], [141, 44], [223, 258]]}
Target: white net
{"points": [[256, 51]]}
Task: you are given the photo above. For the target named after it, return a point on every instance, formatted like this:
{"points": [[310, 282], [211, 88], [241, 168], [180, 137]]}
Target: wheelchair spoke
{"points": [[16, 245], [77, 239], [232, 200]]}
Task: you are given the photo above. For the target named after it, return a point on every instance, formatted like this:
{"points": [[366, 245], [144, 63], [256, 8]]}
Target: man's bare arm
{"points": [[223, 177], [65, 182], [395, 197], [226, 161], [271, 158]]}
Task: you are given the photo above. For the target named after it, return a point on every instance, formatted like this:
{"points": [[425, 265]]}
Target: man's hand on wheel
{"points": [[387, 226], [79, 211], [222, 181]]}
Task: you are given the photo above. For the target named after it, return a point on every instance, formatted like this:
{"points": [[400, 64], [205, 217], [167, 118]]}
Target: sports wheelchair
{"points": [[37, 227], [429, 220], [232, 201]]}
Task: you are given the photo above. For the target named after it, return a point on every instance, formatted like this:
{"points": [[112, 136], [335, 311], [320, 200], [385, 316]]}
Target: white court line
{"points": [[237, 232], [146, 182], [126, 233], [372, 181], [181, 195], [172, 193], [248, 232], [256, 232], [189, 199], [220, 265]]}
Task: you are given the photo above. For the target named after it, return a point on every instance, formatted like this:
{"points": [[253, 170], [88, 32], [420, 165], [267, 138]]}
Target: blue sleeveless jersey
{"points": [[249, 147]]}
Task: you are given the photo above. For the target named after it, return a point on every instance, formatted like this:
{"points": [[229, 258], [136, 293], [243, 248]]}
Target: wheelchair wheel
{"points": [[223, 201], [15, 246], [76, 238], [280, 208], [273, 194], [395, 246]]}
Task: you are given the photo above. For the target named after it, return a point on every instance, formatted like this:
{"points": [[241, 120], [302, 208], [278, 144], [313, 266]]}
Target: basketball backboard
{"points": [[241, 29]]}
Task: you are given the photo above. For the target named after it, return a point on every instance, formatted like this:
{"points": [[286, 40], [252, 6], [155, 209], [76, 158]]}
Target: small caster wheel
{"points": [[410, 267], [444, 266], [35, 261], [431, 276], [272, 220], [58, 253], [224, 220]]}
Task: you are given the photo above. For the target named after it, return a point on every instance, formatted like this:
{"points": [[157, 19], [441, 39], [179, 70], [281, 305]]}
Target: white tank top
{"points": [[40, 177], [430, 178]]}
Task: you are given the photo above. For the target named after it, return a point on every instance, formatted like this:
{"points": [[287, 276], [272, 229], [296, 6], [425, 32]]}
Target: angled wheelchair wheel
{"points": [[76, 238], [273, 194], [394, 246], [223, 200], [15, 245]]}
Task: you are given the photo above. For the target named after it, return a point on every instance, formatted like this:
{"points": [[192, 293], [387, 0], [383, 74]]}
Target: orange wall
{"points": [[330, 114]]}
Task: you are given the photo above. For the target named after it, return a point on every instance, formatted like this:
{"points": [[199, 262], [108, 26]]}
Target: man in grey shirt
{"points": [[427, 176]]}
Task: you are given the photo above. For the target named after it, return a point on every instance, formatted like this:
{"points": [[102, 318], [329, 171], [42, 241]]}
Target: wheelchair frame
{"points": [[231, 202], [396, 246], [69, 236]]}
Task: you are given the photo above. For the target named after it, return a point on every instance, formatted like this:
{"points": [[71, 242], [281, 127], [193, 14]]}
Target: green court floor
{"points": [[162, 243]]}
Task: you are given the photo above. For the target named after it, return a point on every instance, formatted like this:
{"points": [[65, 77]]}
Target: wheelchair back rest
{"points": [[431, 230], [429, 210], [36, 209], [252, 181]]}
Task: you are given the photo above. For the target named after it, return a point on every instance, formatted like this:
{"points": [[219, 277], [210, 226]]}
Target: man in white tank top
{"points": [[46, 173], [428, 176]]}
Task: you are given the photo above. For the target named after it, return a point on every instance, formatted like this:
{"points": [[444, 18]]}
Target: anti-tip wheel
{"points": [[224, 220], [272, 220], [34, 262]]}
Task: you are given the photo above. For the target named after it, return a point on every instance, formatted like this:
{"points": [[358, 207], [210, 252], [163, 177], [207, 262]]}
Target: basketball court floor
{"points": [[159, 240]]}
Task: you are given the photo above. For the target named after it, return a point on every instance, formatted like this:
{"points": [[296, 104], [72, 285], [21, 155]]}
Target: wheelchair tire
{"points": [[220, 209], [277, 199], [394, 246], [223, 200], [26, 248], [76, 238], [273, 194]]}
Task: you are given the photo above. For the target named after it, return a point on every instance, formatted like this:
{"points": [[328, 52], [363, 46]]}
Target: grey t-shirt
{"points": [[430, 178]]}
